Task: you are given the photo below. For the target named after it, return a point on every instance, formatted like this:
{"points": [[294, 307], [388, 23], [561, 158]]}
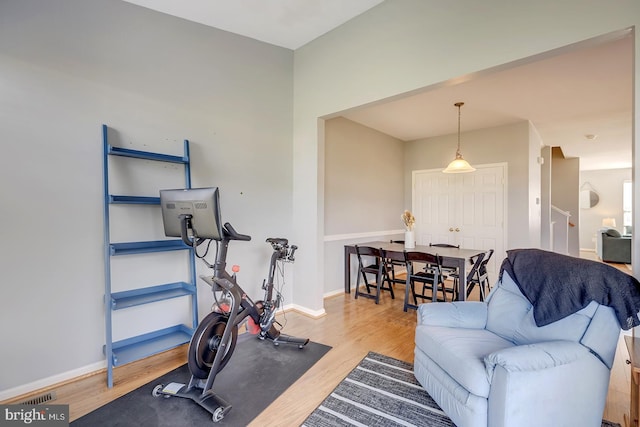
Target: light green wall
{"points": [[364, 195], [402, 46], [364, 179]]}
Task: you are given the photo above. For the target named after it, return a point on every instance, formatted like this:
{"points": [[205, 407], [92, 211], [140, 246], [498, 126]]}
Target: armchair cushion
{"points": [[460, 352], [511, 317], [535, 357], [455, 315]]}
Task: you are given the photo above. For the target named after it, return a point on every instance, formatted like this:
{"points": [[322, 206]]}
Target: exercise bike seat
{"points": [[278, 241]]}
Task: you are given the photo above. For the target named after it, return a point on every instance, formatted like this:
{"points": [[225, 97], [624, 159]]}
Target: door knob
{"points": [[450, 228], [457, 229]]}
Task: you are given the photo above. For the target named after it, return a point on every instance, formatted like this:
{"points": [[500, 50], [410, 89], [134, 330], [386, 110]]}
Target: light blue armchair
{"points": [[487, 364]]}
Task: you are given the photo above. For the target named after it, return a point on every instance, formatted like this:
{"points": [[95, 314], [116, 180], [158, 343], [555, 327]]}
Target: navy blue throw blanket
{"points": [[559, 285]]}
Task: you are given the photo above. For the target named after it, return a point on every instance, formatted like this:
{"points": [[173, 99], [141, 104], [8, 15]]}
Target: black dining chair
{"points": [[475, 262], [393, 263], [397, 258], [480, 276], [447, 271], [431, 278], [376, 267]]}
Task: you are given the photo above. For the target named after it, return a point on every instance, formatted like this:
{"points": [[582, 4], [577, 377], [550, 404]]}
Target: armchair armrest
{"points": [[547, 383], [535, 357], [463, 314]]}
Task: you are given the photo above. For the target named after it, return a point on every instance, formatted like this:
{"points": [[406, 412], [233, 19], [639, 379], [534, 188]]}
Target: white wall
{"points": [[608, 185], [409, 45], [66, 67]]}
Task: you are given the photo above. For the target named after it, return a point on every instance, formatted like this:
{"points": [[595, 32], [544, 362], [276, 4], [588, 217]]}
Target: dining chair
{"points": [[480, 276], [472, 276], [398, 258], [430, 278], [393, 263], [447, 271], [377, 268]]}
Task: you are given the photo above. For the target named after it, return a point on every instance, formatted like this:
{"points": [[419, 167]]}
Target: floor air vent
{"points": [[39, 400]]}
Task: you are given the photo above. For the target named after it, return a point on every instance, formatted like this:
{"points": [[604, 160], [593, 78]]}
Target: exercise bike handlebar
{"points": [[232, 234]]}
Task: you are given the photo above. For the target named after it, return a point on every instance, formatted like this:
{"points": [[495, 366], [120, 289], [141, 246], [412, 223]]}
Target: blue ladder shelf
{"points": [[138, 347], [145, 345], [131, 298]]}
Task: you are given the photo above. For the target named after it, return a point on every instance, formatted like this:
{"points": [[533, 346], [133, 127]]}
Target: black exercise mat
{"points": [[257, 373]]}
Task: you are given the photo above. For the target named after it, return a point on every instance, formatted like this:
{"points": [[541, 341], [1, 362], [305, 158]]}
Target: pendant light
{"points": [[459, 165]]}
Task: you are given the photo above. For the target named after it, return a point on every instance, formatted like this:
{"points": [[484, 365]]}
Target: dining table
{"points": [[451, 257]]}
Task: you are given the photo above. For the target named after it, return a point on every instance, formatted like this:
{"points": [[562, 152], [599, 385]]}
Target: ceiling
{"points": [[569, 98], [285, 23], [583, 90]]}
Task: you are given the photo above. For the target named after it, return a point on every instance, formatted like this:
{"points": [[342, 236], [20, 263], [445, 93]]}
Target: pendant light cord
{"points": [[458, 104]]}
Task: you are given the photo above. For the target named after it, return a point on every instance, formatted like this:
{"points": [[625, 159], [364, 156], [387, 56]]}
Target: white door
{"points": [[462, 209]]}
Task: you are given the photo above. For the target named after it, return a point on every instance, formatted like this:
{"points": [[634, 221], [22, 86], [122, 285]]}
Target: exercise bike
{"points": [[214, 340]]}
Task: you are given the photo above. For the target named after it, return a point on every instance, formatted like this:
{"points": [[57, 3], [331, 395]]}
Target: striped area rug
{"points": [[381, 391]]}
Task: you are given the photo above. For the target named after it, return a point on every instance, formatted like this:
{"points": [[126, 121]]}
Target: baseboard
{"points": [[52, 380], [315, 314], [333, 293]]}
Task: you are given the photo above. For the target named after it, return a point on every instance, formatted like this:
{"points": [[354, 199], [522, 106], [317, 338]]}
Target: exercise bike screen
{"points": [[203, 204]]}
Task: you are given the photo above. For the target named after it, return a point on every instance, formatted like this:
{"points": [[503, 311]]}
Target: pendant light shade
{"points": [[459, 164]]}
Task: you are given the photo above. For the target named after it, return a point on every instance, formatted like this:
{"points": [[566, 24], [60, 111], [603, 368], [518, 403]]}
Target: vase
{"points": [[409, 239]]}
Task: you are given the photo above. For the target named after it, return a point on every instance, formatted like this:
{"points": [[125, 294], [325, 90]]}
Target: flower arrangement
{"points": [[409, 220]]}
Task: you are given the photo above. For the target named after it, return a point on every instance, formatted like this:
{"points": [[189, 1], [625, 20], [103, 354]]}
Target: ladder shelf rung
{"points": [[129, 248], [133, 297], [145, 345], [146, 155], [133, 200]]}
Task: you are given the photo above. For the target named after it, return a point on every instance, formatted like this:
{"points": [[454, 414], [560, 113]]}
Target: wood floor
{"points": [[351, 327]]}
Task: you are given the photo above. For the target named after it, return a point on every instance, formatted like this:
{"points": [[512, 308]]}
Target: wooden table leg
{"points": [[347, 270]]}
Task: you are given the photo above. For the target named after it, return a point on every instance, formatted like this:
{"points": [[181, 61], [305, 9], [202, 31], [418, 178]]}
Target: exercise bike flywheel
{"points": [[205, 343]]}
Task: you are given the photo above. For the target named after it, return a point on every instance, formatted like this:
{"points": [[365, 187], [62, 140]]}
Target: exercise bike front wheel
{"points": [[207, 341]]}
